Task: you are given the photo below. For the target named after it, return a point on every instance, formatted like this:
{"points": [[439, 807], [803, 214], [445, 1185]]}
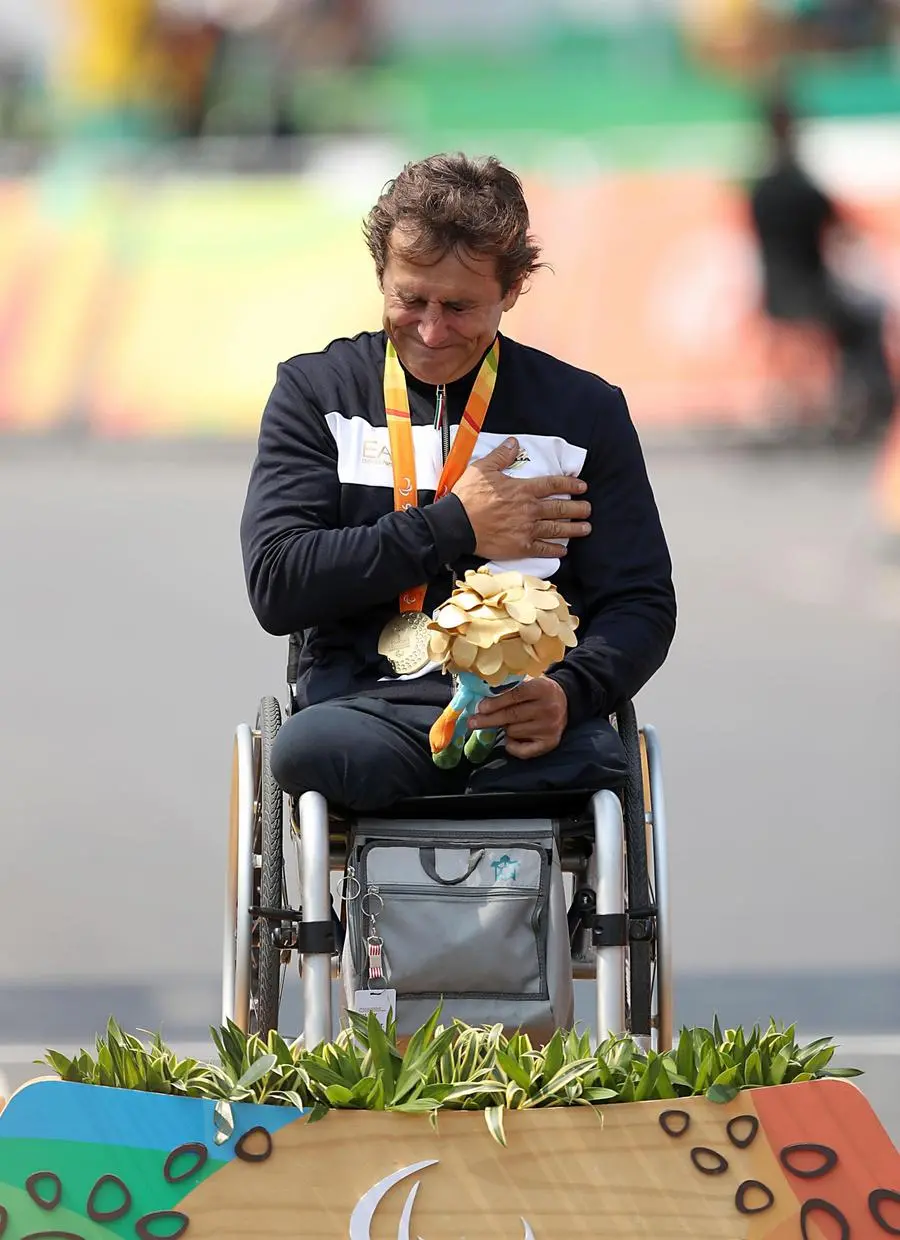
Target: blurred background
{"points": [[181, 189]]}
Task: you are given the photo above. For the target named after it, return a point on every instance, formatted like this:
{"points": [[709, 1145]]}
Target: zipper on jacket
{"points": [[441, 420]]}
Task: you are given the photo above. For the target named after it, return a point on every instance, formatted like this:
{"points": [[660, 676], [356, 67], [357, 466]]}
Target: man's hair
{"points": [[453, 203]]}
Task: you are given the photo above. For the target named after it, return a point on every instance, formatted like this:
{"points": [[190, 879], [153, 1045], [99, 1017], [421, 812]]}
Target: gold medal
{"points": [[404, 642]]}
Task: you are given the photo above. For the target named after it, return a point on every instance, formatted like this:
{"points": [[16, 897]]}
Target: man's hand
{"points": [[533, 715], [515, 518]]}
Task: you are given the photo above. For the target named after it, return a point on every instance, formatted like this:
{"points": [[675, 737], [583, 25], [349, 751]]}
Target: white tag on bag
{"points": [[382, 1002]]}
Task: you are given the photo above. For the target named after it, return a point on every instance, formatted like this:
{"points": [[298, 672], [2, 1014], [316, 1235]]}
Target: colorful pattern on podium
{"points": [[808, 1161]]}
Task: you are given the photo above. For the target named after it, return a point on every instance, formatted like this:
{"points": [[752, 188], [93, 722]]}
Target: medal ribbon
{"points": [[403, 456]]}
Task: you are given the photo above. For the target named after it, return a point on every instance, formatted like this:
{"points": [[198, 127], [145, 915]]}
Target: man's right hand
{"points": [[515, 518]]}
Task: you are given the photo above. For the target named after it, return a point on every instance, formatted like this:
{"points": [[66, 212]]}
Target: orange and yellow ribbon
{"points": [[403, 456]]}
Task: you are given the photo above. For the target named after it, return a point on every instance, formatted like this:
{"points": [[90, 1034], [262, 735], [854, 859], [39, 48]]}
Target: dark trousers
{"points": [[366, 754]]}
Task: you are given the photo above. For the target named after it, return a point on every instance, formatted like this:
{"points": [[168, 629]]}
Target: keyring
{"points": [[369, 912], [346, 889]]}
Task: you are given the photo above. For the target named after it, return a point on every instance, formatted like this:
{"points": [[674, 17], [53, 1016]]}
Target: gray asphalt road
{"points": [[128, 654]]}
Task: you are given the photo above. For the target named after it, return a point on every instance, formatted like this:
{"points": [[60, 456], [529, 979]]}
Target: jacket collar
{"points": [[459, 388]]}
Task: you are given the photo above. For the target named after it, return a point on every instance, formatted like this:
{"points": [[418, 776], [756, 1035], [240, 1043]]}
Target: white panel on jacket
{"points": [[364, 459], [364, 453], [539, 456]]}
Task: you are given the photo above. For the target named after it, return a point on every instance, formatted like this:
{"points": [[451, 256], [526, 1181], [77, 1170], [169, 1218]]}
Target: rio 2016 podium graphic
{"points": [[806, 1161]]}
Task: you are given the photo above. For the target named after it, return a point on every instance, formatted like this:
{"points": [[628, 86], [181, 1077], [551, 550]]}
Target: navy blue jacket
{"points": [[326, 556]]}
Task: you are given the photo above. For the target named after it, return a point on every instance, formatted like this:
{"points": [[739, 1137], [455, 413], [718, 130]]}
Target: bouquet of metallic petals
{"points": [[501, 625], [495, 630]]}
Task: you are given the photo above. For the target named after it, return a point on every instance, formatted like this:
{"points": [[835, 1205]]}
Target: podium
{"points": [[808, 1161]]}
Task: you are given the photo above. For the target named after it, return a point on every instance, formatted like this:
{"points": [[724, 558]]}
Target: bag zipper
{"points": [[451, 893], [545, 855]]}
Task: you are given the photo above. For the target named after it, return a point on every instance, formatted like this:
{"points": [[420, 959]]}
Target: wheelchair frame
{"points": [[612, 842]]}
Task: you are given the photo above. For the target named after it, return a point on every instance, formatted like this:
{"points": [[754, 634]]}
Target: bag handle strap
{"points": [[429, 865]]}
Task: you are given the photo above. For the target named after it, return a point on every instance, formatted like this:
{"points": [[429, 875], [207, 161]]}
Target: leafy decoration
{"points": [[456, 1067]]}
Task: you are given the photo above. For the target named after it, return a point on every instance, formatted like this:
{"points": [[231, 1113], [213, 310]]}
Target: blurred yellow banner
{"points": [[101, 58], [163, 309]]}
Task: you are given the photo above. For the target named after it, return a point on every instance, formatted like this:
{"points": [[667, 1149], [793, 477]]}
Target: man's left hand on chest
{"points": [[533, 716]]}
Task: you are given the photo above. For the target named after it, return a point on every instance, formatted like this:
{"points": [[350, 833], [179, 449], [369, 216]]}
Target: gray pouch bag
{"points": [[470, 915]]}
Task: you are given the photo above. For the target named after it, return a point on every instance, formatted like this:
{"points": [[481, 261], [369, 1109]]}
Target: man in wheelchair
{"points": [[390, 463]]}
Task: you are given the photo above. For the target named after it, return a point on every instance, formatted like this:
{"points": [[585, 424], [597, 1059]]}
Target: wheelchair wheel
{"points": [[639, 981], [658, 851], [240, 884], [251, 964], [265, 964]]}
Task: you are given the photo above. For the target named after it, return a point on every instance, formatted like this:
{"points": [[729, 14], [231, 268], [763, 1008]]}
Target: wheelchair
{"points": [[285, 855]]}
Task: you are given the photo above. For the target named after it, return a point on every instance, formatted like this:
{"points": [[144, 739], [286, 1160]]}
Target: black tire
{"points": [[265, 980], [637, 873]]}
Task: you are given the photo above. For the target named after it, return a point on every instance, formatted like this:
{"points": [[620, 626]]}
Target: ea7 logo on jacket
{"points": [[376, 453], [364, 1213]]}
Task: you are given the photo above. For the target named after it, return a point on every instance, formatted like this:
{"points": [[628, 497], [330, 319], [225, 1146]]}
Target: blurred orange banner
{"points": [[163, 309]]}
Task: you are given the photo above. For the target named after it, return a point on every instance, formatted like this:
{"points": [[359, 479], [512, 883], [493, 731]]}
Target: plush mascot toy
{"points": [[494, 631]]}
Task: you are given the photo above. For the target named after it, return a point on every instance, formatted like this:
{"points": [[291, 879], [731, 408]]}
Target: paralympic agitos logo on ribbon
{"points": [[364, 1213]]}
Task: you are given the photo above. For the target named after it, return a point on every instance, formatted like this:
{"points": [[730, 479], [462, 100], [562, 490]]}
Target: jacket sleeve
{"points": [[624, 571], [302, 568]]}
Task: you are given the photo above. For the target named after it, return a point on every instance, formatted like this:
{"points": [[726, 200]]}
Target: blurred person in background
{"points": [[112, 70], [101, 86], [796, 224], [308, 35], [30, 36], [184, 43], [277, 45]]}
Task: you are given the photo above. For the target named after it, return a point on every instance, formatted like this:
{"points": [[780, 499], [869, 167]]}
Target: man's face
{"points": [[442, 317]]}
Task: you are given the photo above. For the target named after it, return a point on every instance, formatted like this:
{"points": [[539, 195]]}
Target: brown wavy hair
{"points": [[452, 202]]}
